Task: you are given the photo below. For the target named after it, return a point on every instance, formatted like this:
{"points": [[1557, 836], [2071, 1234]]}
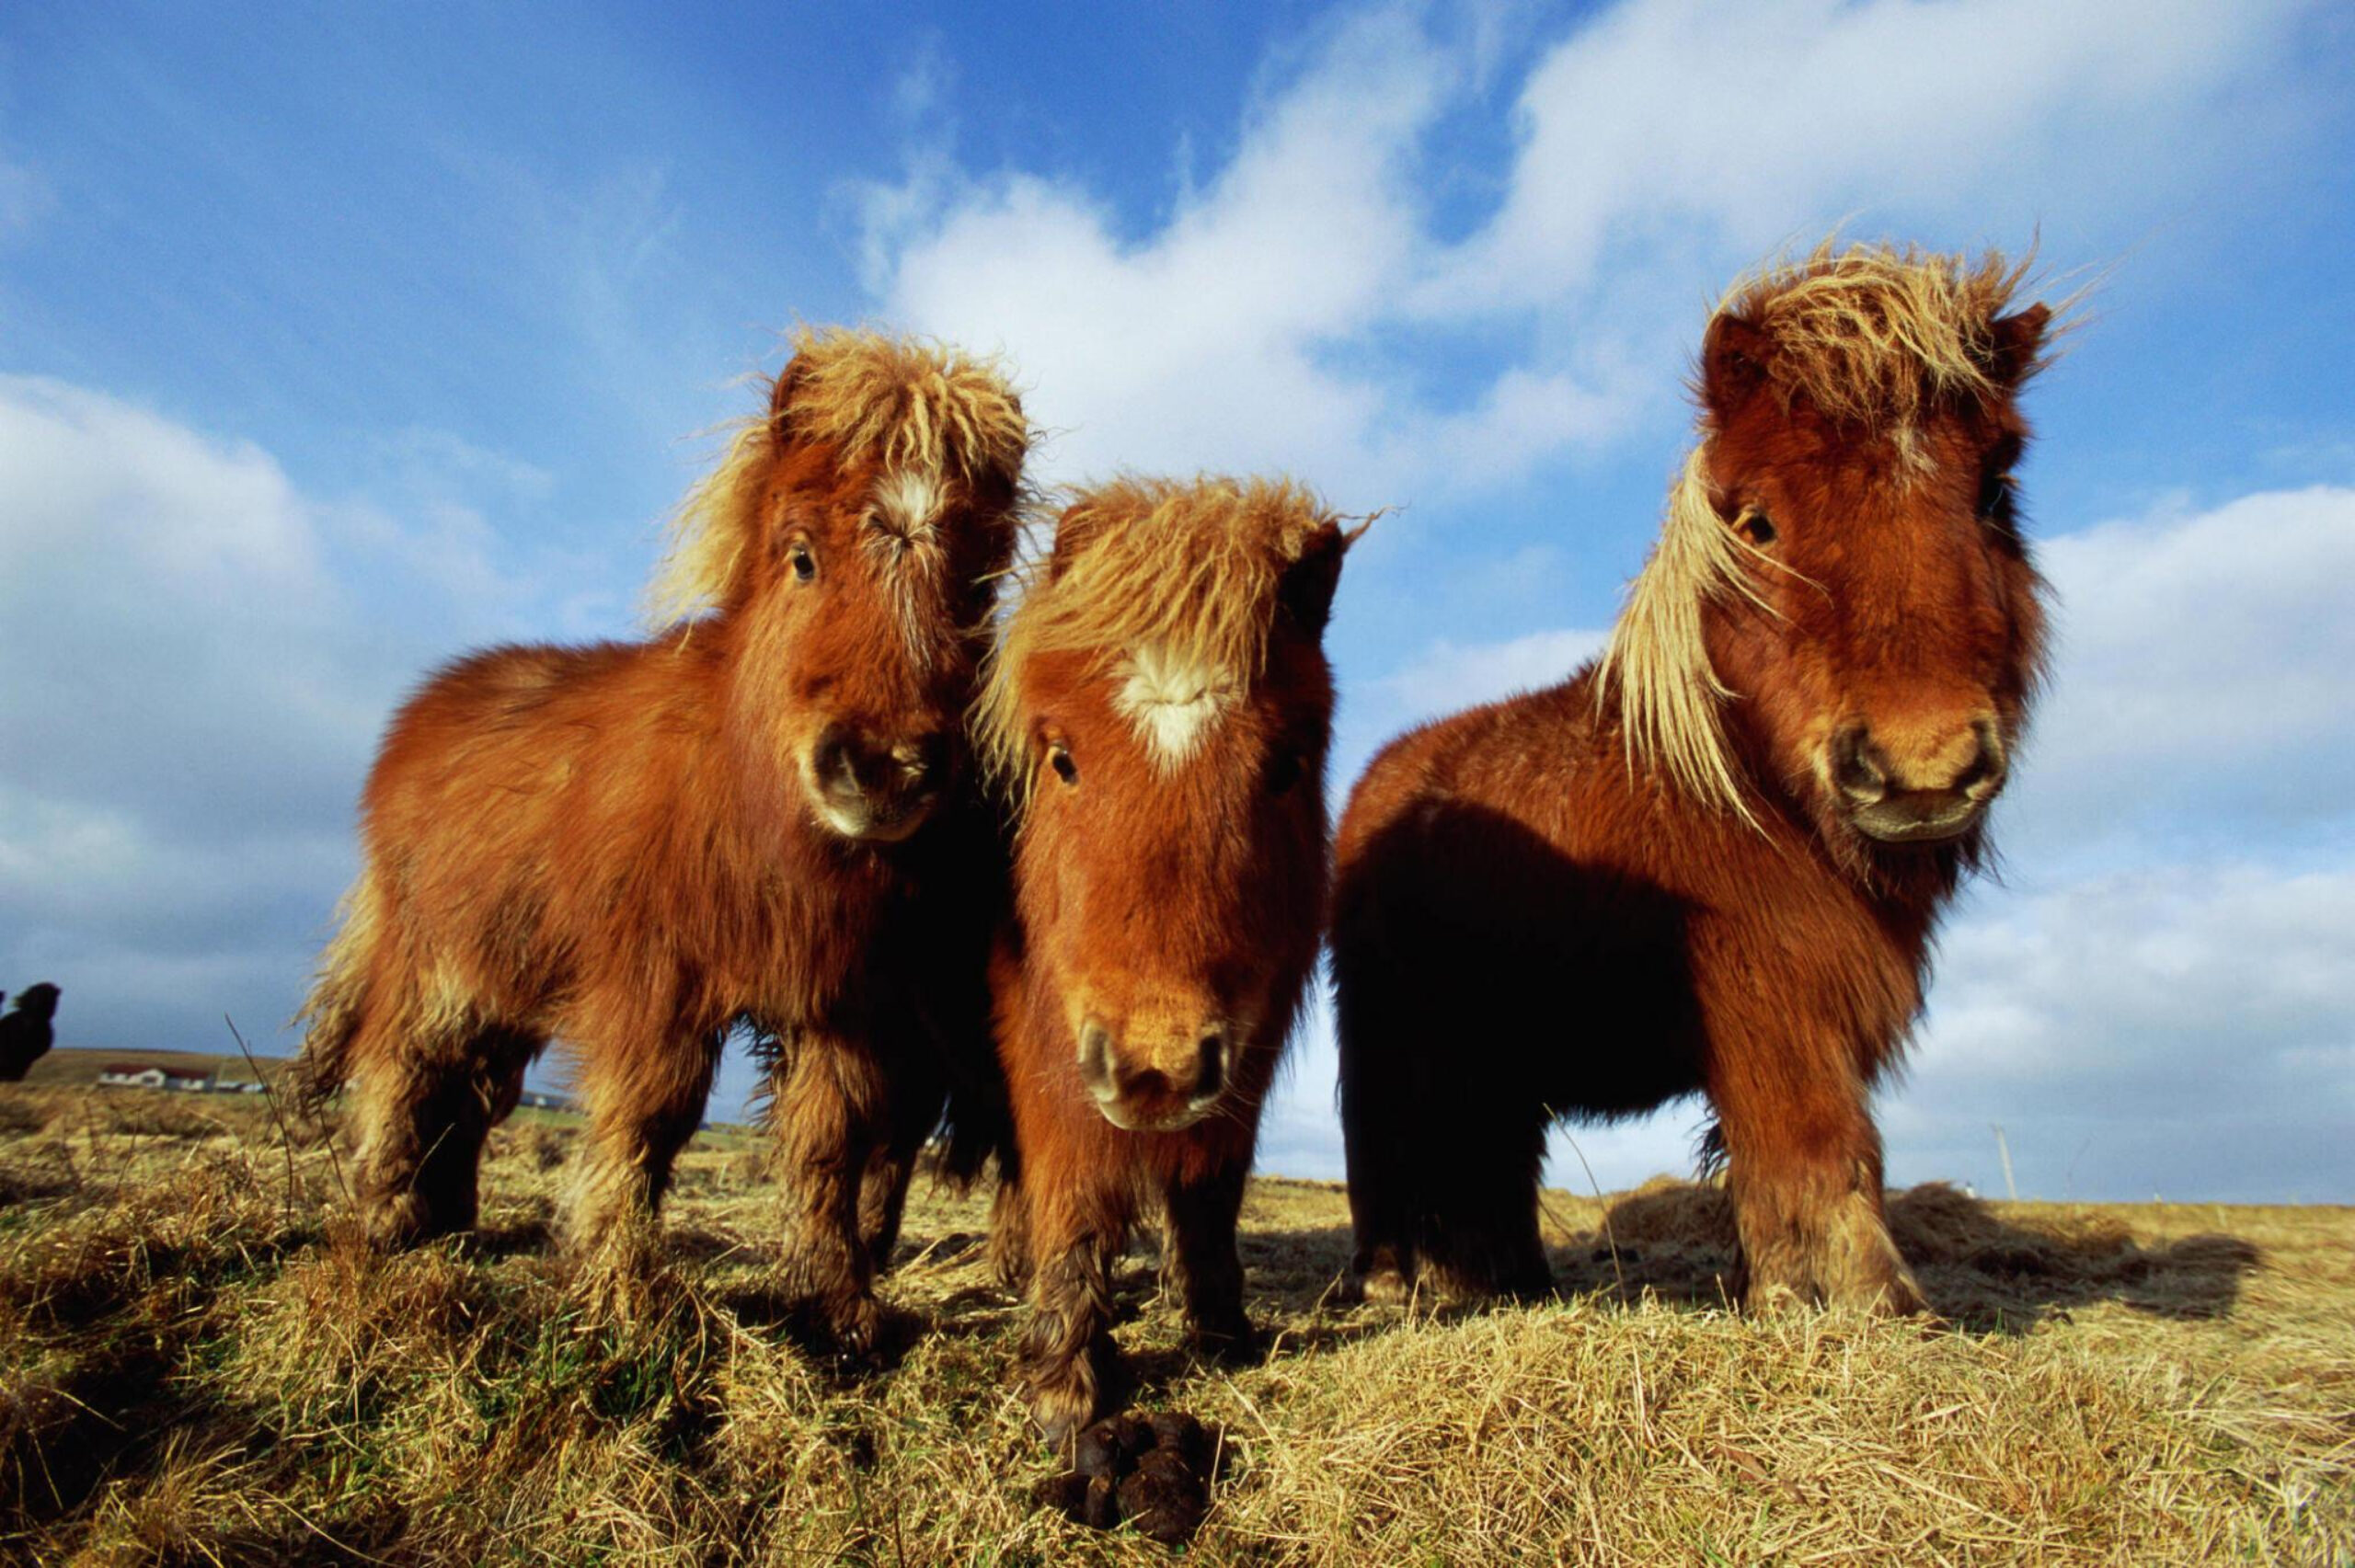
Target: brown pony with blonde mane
{"points": [[1158, 708], [1713, 860], [633, 848]]}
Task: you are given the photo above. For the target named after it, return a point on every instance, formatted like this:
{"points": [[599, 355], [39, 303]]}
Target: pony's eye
{"points": [[1284, 771], [805, 565], [1996, 495], [1756, 526], [1059, 759], [1995, 481]]}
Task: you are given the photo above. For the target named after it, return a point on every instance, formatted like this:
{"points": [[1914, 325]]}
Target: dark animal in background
{"points": [[1712, 861], [25, 1031], [632, 848], [1159, 706]]}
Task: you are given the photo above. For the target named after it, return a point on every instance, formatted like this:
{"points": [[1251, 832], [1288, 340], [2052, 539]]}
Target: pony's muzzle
{"points": [[876, 789], [1934, 788], [1169, 1082]]}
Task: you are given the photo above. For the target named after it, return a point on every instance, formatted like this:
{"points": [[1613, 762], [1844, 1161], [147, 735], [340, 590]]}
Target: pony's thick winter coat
{"points": [[1712, 861], [751, 817]]}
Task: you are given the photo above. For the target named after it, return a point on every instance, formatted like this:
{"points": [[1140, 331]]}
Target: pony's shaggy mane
{"points": [[921, 404], [1878, 334], [1192, 568], [1656, 665], [1872, 334]]}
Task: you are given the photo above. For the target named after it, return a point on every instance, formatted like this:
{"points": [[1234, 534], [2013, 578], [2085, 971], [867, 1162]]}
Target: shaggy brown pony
{"points": [[1159, 707], [631, 848], [1713, 860]]}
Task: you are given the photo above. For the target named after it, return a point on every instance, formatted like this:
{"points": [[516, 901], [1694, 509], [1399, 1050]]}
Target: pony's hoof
{"points": [[856, 1327], [1063, 1409], [1899, 1297], [399, 1225], [1229, 1345]]}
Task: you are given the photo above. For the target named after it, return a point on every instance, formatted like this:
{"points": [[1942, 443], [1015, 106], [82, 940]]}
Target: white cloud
{"points": [[166, 614], [1199, 346], [1450, 676], [1275, 316], [199, 658], [2180, 1029], [1741, 121], [2238, 968], [2204, 681]]}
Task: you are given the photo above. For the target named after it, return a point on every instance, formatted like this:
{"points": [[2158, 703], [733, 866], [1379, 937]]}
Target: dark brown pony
{"points": [[1159, 707], [1713, 860], [25, 1031], [631, 848]]}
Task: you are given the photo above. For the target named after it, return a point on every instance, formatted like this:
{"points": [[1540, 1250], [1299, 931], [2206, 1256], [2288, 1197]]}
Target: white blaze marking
{"points": [[907, 499], [902, 534], [1172, 703]]}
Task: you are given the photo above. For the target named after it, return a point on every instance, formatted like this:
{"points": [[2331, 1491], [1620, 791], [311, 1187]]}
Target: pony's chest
{"points": [[809, 942]]}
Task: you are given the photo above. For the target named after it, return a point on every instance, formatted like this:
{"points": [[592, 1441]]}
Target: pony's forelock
{"points": [[1881, 334], [1188, 570], [926, 409]]}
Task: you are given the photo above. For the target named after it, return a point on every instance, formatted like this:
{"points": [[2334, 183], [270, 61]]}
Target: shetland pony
{"points": [[1158, 708], [632, 847], [1713, 860]]}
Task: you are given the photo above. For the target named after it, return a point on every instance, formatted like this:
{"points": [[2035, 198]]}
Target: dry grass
{"points": [[196, 1365]]}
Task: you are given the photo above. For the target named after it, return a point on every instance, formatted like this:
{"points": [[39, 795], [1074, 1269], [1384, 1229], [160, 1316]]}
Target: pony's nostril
{"points": [[1210, 1064], [1095, 1057], [836, 764], [1855, 768], [1983, 774], [923, 760]]}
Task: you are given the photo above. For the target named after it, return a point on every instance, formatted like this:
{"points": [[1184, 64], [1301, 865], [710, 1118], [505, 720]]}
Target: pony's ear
{"points": [[788, 382], [1733, 362], [1305, 590], [1079, 523], [2015, 340]]}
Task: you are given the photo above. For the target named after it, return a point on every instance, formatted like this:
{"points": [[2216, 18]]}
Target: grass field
{"points": [[196, 1366]]}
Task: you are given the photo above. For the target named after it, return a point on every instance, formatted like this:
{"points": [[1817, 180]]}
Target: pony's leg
{"points": [[1804, 1165], [644, 1102], [1475, 1225], [424, 1107], [505, 1078], [471, 1100], [1009, 1249], [1376, 1147], [403, 1117], [1201, 1263], [1070, 1367], [1443, 1144], [829, 1110], [917, 1094]]}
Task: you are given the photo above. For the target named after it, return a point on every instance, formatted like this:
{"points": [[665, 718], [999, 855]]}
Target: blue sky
{"points": [[334, 341]]}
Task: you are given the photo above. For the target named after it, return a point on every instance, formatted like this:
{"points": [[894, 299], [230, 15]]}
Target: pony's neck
{"points": [[734, 752]]}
